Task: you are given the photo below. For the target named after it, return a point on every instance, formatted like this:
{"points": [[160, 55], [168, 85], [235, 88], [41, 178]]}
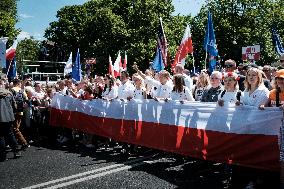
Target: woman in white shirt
{"points": [[255, 92], [180, 91], [230, 95], [140, 90], [110, 90]]}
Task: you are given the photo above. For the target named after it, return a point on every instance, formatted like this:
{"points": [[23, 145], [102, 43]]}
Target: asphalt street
{"points": [[55, 166]]}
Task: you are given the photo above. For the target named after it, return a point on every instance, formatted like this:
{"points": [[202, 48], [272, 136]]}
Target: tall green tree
{"points": [[8, 19], [103, 27], [240, 23]]}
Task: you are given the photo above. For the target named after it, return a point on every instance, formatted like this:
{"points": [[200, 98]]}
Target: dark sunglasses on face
{"points": [[229, 66]]}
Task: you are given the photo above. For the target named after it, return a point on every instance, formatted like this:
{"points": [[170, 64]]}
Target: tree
{"points": [[27, 49], [8, 19], [240, 23], [103, 27]]}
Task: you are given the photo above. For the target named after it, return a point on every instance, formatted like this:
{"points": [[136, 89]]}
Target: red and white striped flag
{"points": [[124, 66], [117, 65], [11, 52], [110, 67], [184, 48]]}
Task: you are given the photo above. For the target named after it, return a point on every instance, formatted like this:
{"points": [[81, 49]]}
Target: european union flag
{"points": [[76, 68], [158, 64], [210, 40], [11, 68]]}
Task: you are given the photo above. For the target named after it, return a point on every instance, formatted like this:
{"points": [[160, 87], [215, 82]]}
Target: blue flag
{"points": [[162, 42], [76, 68], [210, 40], [11, 68], [277, 42], [212, 63], [158, 64]]}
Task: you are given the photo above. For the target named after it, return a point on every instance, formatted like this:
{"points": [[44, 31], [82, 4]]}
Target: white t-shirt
{"points": [[113, 93], [184, 95], [162, 91], [139, 94], [228, 97], [258, 97], [126, 90]]}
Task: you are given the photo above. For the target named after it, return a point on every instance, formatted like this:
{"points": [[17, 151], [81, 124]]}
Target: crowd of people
{"points": [[24, 105]]}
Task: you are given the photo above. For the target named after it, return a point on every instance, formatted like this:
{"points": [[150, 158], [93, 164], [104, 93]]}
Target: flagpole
{"points": [[9, 67]]}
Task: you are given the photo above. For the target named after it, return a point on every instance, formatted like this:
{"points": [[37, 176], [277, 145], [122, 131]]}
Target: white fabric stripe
{"points": [[239, 120]]}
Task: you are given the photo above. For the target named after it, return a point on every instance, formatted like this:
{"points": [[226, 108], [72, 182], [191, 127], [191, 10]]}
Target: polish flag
{"points": [[116, 66], [110, 67], [184, 48], [125, 62], [11, 52]]}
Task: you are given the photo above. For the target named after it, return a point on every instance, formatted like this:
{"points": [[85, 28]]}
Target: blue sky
{"points": [[35, 15]]}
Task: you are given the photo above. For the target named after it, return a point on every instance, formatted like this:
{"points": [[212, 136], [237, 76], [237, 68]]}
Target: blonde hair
{"points": [[259, 76]]}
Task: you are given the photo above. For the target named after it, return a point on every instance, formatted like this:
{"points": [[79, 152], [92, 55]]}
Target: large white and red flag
{"points": [[110, 67], [117, 65], [184, 48], [11, 52], [124, 66], [241, 135]]}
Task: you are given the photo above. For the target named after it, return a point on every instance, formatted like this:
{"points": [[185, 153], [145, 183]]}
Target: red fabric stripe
{"points": [[258, 151]]}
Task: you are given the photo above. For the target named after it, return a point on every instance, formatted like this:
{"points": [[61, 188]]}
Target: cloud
{"points": [[26, 16], [23, 35]]}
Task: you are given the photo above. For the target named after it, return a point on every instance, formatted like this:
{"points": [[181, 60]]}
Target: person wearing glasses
{"points": [[211, 94], [267, 71], [230, 66]]}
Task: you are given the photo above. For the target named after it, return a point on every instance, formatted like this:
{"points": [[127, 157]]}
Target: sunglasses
{"points": [[229, 66], [265, 70]]}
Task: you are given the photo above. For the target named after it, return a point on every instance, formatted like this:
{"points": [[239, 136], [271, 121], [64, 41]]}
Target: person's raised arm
{"points": [[135, 67]]}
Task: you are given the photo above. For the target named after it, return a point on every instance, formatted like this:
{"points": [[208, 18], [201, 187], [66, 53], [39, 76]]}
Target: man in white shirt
{"points": [[126, 89], [163, 87]]}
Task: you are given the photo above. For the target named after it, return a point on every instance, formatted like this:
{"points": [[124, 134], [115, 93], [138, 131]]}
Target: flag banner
{"points": [[251, 52], [212, 63], [76, 68], [110, 67], [210, 45], [124, 66], [158, 64], [3, 41], [68, 65], [277, 42], [11, 66], [240, 135], [117, 65], [184, 48], [11, 52], [162, 43]]}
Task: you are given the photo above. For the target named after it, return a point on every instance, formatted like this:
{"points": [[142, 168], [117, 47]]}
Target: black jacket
{"points": [[7, 106]]}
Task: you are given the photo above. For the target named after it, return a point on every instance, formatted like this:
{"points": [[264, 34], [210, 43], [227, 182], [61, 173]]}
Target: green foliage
{"points": [[247, 22], [27, 49], [103, 27], [8, 19]]}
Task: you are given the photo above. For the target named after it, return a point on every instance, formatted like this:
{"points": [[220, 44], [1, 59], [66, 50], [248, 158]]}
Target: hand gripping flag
{"points": [[210, 40], [184, 48], [277, 42]]}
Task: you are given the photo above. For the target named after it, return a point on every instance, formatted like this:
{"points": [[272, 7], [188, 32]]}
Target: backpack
{"points": [[19, 99]]}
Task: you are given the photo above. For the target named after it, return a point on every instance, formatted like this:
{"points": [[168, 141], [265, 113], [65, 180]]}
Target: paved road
{"points": [[54, 166]]}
